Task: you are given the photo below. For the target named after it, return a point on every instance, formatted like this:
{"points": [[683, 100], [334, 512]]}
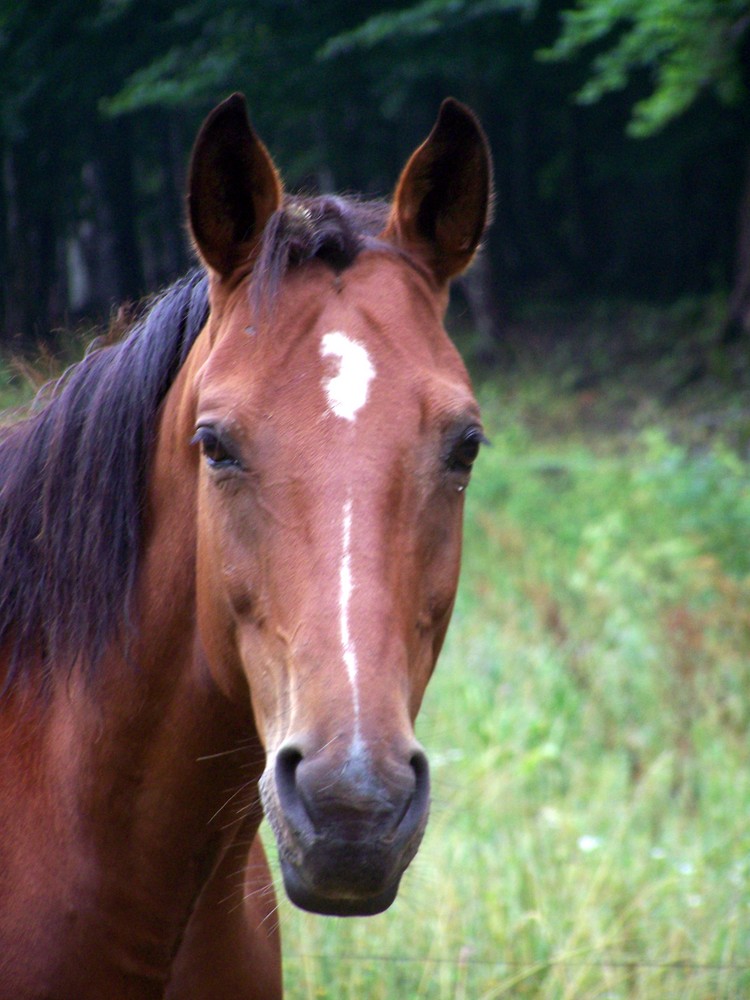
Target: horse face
{"points": [[337, 429]]}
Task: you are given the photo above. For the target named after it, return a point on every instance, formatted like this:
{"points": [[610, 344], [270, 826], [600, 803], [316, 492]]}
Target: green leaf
{"points": [[687, 47]]}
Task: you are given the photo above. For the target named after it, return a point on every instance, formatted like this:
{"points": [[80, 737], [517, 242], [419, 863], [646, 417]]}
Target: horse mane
{"points": [[72, 486], [73, 474]]}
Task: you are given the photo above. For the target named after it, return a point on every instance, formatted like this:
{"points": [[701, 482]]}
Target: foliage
{"points": [[426, 18], [267, 49], [686, 46], [105, 96]]}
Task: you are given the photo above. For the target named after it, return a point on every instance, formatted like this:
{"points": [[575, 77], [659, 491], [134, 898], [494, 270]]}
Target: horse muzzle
{"points": [[346, 827]]}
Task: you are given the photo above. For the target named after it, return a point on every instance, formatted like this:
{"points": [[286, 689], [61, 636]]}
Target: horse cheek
{"points": [[216, 628]]}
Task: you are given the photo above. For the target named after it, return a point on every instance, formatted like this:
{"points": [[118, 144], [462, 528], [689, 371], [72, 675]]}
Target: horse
{"points": [[229, 551]]}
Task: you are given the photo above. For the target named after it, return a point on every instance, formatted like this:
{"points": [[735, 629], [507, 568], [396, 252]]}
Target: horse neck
{"points": [[136, 763]]}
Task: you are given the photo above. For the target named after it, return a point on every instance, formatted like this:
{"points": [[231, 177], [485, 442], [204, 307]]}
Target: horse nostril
{"points": [[288, 760], [420, 765], [421, 769]]}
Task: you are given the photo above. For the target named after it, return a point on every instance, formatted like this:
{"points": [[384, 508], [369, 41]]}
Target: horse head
{"points": [[335, 431]]}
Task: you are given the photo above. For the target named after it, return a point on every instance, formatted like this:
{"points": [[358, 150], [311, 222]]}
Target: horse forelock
{"points": [[330, 228], [72, 488]]}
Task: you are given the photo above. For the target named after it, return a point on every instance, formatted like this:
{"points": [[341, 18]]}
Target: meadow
{"points": [[588, 721]]}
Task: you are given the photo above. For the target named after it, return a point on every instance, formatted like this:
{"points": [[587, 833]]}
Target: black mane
{"points": [[72, 486], [73, 475]]}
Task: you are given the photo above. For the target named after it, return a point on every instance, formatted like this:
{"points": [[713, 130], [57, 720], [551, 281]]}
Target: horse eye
{"points": [[216, 453], [466, 450]]}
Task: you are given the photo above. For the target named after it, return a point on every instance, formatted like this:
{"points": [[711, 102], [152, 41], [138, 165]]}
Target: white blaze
{"points": [[347, 390], [346, 586], [347, 393]]}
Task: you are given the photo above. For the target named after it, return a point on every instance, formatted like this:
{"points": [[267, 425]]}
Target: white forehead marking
{"points": [[347, 390]]}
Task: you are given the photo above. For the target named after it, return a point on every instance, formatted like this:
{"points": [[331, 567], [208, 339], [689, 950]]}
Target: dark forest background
{"points": [[620, 131]]}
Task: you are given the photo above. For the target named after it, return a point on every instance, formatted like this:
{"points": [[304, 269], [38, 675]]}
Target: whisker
{"points": [[272, 928], [222, 753], [233, 796]]}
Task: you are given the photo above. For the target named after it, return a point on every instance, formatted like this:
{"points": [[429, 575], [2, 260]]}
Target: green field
{"points": [[587, 726]]}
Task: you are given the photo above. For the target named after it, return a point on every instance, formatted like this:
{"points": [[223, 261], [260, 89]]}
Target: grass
{"points": [[588, 723], [13, 392], [587, 726]]}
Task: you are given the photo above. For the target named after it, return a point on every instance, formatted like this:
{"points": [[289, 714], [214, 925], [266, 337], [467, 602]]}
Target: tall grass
{"points": [[588, 730]]}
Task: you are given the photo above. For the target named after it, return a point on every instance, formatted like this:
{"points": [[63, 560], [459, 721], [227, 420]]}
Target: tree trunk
{"points": [[15, 320], [119, 190], [174, 156], [738, 313]]}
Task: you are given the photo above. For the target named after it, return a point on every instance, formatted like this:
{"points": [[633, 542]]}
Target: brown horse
{"points": [[229, 548]]}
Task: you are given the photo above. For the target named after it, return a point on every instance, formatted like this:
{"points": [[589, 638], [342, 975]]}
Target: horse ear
{"points": [[233, 187], [442, 202]]}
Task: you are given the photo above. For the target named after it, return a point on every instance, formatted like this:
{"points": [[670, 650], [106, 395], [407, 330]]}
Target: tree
{"points": [[686, 47], [68, 175], [100, 99]]}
